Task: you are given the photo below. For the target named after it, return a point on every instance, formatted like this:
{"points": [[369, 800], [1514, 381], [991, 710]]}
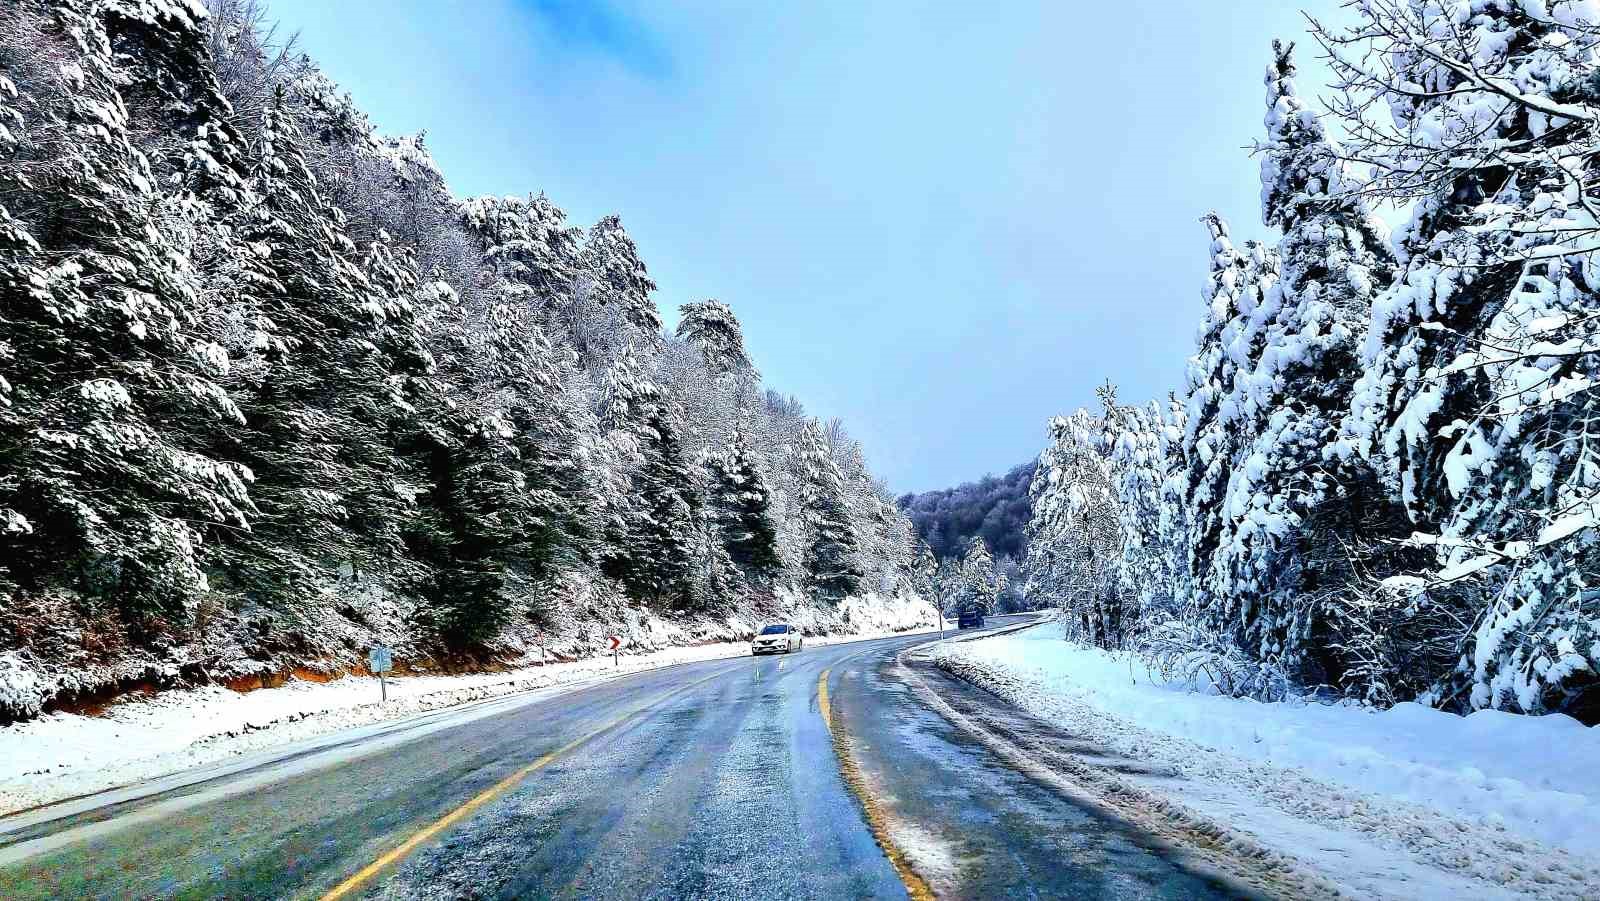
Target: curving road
{"points": [[712, 780]]}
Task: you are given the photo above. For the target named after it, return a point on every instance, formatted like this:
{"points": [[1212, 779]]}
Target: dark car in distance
{"points": [[970, 618]]}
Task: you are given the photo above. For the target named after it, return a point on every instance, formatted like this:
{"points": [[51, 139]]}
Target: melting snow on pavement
{"points": [[1409, 802]]}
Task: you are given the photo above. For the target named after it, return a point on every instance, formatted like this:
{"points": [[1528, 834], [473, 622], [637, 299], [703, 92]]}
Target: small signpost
{"points": [[615, 643], [381, 660], [540, 639]]}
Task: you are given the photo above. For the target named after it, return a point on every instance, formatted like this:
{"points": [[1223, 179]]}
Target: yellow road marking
{"points": [[822, 700], [366, 873], [877, 820]]}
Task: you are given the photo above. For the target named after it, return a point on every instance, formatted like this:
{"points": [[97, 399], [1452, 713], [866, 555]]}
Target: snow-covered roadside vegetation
{"points": [[1409, 802], [1380, 478], [62, 755], [271, 395]]}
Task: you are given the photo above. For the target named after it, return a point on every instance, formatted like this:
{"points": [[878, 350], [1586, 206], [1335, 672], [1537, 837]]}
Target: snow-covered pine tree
{"points": [[21, 270], [832, 566], [315, 377], [899, 543], [620, 286], [1291, 505], [169, 84], [947, 584], [521, 376], [470, 533], [1219, 404], [712, 328], [980, 585], [163, 54], [652, 531], [1144, 457], [621, 404], [108, 375], [1173, 522], [664, 523], [925, 572], [1074, 537], [526, 244], [1480, 359], [508, 500], [740, 509]]}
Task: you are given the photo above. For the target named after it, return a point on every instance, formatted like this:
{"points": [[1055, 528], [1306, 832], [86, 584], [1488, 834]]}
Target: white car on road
{"points": [[777, 639]]}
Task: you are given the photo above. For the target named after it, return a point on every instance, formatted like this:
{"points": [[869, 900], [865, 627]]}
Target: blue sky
{"points": [[942, 222]]}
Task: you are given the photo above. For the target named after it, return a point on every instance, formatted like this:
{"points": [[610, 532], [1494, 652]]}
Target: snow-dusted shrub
{"points": [[1189, 654], [1396, 639]]}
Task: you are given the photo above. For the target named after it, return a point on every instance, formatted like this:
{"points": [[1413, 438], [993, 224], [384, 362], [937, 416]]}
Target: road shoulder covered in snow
{"points": [[65, 755], [1404, 803]]}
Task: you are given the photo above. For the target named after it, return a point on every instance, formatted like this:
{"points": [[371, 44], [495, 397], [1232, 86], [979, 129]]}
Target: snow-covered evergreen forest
{"points": [[1380, 477], [270, 394]]}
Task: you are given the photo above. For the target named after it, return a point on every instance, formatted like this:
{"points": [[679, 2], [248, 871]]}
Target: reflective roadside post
{"points": [[380, 660]]}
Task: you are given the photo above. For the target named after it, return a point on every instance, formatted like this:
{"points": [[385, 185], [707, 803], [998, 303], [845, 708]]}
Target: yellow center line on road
{"points": [[366, 873], [877, 820]]}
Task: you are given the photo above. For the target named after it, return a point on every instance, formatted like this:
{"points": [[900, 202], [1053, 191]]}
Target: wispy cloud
{"points": [[599, 27]]}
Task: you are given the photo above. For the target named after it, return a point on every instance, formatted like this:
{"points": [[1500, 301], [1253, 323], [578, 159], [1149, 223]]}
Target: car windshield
{"points": [[774, 630]]}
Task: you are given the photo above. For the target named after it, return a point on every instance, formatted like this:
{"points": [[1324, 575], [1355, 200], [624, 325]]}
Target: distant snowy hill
{"points": [[993, 508]]}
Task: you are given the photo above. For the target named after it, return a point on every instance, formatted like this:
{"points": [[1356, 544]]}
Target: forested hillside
{"points": [[995, 509], [1380, 475], [270, 394]]}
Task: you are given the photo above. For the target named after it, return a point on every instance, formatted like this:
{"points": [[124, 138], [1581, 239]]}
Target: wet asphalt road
{"points": [[708, 780]]}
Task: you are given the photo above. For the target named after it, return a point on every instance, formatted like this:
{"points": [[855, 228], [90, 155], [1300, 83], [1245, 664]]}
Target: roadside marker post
{"points": [[615, 643], [380, 660]]}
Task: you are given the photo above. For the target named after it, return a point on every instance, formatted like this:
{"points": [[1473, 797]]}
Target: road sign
{"points": [[380, 660], [615, 642], [616, 658]]}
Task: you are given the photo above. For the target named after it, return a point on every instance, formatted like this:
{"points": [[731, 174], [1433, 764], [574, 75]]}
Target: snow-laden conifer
{"points": [[1479, 360], [832, 567], [1288, 498], [712, 328], [102, 483]]}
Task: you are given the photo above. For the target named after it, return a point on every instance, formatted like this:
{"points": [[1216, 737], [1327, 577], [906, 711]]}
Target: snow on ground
{"points": [[1407, 803], [64, 755]]}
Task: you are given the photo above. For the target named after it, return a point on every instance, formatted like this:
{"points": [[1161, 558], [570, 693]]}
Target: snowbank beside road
{"points": [[1512, 802], [64, 755]]}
